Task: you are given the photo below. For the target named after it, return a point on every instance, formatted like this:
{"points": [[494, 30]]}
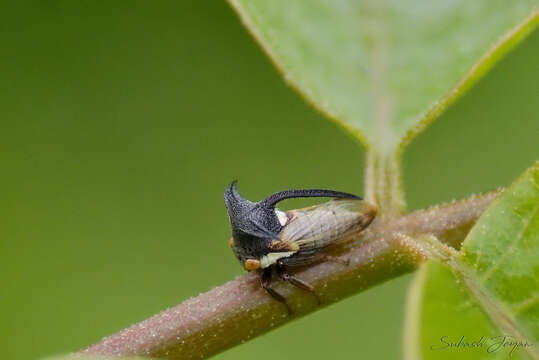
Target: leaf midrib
{"points": [[375, 38]]}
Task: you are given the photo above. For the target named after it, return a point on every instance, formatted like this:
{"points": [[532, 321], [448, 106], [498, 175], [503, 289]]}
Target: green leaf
{"points": [[490, 290], [383, 69]]}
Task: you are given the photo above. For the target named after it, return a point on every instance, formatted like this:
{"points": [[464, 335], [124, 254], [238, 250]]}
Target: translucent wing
{"points": [[316, 227]]}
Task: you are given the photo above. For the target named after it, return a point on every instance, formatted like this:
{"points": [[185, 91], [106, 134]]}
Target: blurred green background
{"points": [[121, 124]]}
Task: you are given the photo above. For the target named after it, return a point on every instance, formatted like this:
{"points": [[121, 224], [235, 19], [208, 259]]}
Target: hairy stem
{"points": [[240, 310], [383, 186]]}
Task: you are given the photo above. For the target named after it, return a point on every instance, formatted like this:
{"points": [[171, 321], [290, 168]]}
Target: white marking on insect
{"points": [[271, 258], [283, 219]]}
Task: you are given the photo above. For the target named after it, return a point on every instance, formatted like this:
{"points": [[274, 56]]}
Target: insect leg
{"points": [[265, 281], [297, 282]]}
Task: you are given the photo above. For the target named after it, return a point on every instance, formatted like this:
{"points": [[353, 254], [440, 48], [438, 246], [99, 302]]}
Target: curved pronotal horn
{"points": [[233, 200], [232, 197], [234, 189], [273, 199]]}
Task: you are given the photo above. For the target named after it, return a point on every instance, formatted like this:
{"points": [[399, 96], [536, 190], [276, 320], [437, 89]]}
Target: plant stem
{"points": [[240, 310], [383, 186]]}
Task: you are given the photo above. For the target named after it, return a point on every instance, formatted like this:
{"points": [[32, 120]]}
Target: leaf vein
{"points": [[495, 267], [526, 304]]}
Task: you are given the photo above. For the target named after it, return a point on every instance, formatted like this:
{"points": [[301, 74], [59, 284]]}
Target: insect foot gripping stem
{"points": [[265, 281]]}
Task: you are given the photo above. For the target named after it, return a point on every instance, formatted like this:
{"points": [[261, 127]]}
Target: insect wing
{"points": [[316, 227]]}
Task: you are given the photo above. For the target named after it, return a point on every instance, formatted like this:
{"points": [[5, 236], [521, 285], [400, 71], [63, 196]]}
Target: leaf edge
{"points": [[504, 45]]}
